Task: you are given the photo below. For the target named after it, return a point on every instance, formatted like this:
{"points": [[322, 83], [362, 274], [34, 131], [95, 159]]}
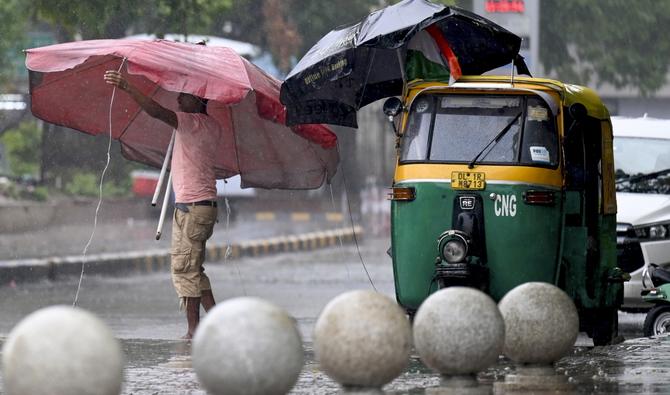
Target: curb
{"points": [[332, 217], [158, 260]]}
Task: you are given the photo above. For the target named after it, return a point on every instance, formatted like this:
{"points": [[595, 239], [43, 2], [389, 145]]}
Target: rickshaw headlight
{"points": [[453, 246], [454, 251]]}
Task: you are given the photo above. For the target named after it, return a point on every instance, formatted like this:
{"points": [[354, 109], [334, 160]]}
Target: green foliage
{"points": [[30, 192], [316, 18], [40, 193], [22, 145], [85, 184], [88, 184], [624, 43], [181, 16], [90, 18], [13, 20], [113, 18], [8, 188], [17, 190]]}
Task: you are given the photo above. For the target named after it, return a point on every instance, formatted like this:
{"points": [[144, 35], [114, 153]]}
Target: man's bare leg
{"points": [[207, 299], [192, 316]]}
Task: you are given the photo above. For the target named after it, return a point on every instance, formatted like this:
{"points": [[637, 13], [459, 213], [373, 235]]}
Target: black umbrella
{"points": [[353, 66]]}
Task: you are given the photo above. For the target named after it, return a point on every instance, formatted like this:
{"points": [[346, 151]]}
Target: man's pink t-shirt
{"points": [[194, 156]]}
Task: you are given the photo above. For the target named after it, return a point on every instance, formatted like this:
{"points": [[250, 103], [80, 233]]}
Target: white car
{"points": [[642, 163]]}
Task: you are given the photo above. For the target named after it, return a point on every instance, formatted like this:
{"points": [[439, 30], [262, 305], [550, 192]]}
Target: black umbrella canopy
{"points": [[355, 65]]}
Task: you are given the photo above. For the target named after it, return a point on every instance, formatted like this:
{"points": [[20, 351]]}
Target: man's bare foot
{"points": [[192, 316]]}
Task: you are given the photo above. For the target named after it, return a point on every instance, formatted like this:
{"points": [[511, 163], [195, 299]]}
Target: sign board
{"points": [[521, 17]]}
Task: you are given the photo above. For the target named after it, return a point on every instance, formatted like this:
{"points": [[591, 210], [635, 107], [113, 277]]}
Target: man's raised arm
{"points": [[149, 105]]}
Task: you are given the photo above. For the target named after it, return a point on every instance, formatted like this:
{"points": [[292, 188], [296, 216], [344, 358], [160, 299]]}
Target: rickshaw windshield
{"points": [[456, 128]]}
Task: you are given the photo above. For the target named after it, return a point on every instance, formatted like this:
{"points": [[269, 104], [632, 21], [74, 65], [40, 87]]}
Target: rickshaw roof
{"points": [[569, 93]]}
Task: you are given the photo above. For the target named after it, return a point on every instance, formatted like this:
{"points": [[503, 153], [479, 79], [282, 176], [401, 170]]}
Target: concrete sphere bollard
{"points": [[247, 346], [362, 339], [459, 331], [61, 350], [541, 323]]}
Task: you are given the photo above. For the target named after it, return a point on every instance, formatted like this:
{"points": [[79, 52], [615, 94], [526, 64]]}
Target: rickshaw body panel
{"points": [[511, 229]]}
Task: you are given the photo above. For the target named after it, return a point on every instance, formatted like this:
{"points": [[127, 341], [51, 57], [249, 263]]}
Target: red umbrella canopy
{"points": [[67, 88]]}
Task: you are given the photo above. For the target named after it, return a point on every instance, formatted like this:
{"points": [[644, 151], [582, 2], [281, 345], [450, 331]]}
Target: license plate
{"points": [[468, 180]]}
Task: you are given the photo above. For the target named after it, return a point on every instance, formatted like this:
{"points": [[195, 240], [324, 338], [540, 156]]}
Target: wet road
{"points": [[142, 311]]}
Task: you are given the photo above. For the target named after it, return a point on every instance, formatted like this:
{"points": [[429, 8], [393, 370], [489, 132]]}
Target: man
{"points": [[194, 184]]}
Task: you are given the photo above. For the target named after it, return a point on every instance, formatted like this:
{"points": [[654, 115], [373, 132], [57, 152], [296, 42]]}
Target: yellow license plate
{"points": [[468, 180]]}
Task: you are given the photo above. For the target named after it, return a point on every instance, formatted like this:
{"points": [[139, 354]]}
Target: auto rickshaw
{"points": [[503, 181]]}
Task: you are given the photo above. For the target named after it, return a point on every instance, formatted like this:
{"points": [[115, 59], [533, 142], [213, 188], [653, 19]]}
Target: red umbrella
{"points": [[67, 88]]}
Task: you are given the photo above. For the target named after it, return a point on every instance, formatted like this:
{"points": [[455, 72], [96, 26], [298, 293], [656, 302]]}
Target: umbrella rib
{"points": [[324, 165], [139, 110], [310, 146], [237, 152], [367, 77]]}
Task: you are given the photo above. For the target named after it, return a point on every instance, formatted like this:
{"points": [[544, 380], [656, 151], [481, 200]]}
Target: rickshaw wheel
{"points": [[605, 326], [657, 321]]}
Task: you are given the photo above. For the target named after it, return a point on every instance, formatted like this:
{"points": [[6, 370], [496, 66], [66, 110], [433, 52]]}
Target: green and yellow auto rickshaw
{"points": [[501, 182]]}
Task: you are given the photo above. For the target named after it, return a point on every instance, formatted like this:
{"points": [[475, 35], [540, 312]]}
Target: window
{"points": [[500, 129]]}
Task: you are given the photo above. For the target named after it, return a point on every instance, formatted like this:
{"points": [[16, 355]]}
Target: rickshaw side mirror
{"points": [[578, 112], [392, 107]]}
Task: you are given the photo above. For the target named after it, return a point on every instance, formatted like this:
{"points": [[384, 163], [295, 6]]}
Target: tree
{"points": [[180, 16], [288, 28], [283, 38], [91, 19], [88, 19], [316, 18], [621, 42], [12, 26], [23, 148]]}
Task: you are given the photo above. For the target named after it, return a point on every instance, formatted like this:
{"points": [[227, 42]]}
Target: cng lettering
{"points": [[505, 205]]}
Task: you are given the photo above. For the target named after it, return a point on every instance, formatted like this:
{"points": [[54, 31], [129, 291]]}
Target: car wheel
{"points": [[657, 321]]}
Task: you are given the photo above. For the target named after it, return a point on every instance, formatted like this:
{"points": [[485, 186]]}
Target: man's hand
{"points": [[113, 77], [149, 105]]}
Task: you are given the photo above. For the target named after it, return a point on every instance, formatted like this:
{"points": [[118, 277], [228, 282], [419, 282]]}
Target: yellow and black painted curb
{"points": [[299, 216], [159, 259], [294, 243]]}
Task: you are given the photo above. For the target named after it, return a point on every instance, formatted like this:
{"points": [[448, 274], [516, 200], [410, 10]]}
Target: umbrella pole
{"points": [[401, 63], [168, 155], [166, 198]]}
